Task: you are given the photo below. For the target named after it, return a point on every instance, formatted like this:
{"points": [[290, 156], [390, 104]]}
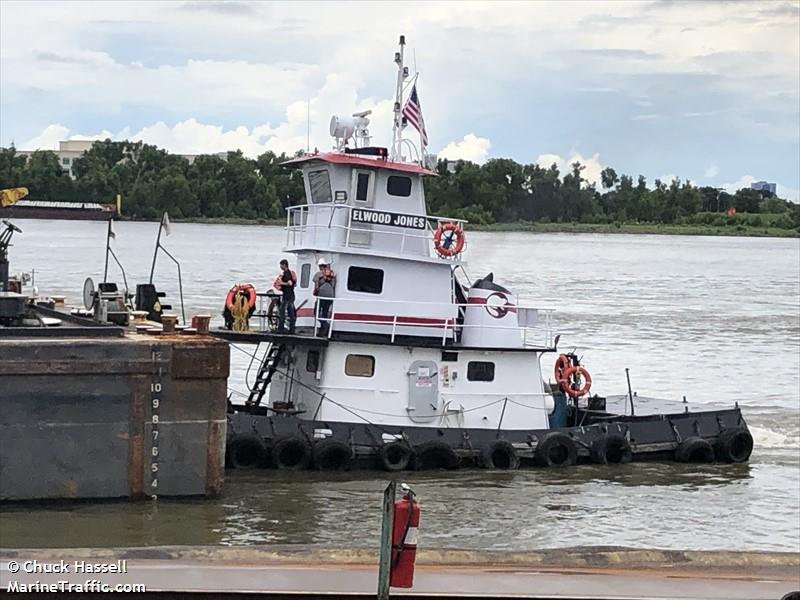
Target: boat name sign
{"points": [[361, 215]]}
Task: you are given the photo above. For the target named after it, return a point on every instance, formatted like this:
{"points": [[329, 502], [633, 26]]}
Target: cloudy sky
{"points": [[706, 91]]}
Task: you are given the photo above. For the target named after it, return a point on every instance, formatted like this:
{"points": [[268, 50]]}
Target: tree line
{"points": [[500, 191]]}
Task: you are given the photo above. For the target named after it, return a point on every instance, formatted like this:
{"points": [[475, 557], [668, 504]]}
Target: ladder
{"points": [[267, 369]]}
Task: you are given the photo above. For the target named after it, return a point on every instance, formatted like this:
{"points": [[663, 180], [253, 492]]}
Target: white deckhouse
{"points": [[412, 341]]}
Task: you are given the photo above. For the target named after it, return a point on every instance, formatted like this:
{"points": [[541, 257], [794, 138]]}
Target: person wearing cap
{"points": [[287, 282], [324, 289]]}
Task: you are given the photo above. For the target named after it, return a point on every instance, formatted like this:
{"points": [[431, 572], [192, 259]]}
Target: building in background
{"points": [[70, 150], [764, 186]]}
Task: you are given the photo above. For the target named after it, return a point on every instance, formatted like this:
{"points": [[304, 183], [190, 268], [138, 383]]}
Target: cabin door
{"points": [[423, 391], [363, 195]]}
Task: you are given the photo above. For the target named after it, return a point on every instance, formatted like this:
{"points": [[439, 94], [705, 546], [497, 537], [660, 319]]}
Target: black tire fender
{"points": [[694, 450], [611, 450], [435, 454], [734, 445], [246, 451], [395, 456], [556, 450], [291, 453], [499, 454], [331, 455]]}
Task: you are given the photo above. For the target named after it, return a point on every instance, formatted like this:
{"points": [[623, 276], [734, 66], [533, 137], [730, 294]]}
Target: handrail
{"points": [[349, 207], [448, 320]]}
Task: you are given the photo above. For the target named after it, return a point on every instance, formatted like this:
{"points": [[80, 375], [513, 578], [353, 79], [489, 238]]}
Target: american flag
{"points": [[412, 112]]}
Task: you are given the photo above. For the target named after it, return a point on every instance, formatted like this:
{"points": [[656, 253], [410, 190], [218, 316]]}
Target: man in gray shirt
{"points": [[324, 289]]}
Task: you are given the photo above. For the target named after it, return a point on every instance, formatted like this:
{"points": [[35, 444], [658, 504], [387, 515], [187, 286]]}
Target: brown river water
{"points": [[716, 319]]}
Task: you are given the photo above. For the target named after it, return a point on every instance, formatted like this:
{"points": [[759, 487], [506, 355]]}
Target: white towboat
{"points": [[413, 364]]}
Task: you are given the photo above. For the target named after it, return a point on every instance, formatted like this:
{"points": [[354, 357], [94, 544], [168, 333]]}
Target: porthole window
{"points": [[359, 365], [480, 371], [305, 275], [362, 279], [398, 186]]}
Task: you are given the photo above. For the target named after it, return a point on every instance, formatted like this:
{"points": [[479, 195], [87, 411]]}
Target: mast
{"points": [[397, 128]]}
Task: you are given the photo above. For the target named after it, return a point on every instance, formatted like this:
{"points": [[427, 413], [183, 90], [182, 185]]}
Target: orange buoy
{"points": [[571, 382]]}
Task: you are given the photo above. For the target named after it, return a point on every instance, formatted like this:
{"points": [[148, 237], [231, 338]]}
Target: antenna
{"points": [[397, 127], [308, 126]]}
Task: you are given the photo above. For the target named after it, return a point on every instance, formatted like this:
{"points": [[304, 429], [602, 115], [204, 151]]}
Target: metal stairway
{"points": [[265, 372]]}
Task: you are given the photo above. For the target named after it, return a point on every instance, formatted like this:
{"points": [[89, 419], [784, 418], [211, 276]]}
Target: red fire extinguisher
{"points": [[405, 535]]}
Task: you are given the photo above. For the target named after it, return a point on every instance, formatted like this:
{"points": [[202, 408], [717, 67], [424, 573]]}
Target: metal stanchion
{"points": [[384, 564]]}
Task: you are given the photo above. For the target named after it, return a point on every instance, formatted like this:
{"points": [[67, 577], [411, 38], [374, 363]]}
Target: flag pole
{"points": [[421, 129]]}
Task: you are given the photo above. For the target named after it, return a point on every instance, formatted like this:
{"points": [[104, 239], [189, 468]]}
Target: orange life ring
{"points": [[245, 288], [577, 372], [562, 364], [446, 245]]}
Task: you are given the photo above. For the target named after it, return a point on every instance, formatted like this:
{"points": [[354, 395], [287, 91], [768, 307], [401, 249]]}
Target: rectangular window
{"points": [[305, 275], [362, 279], [362, 187], [448, 356], [320, 184], [359, 365], [65, 161], [312, 361], [398, 186], [480, 371]]}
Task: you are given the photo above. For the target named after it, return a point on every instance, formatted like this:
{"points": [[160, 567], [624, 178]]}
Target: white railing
{"points": [[332, 226], [389, 315]]}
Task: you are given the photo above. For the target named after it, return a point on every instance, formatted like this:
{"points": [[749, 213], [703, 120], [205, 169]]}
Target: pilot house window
{"points": [[362, 279], [359, 365], [480, 371], [319, 182], [398, 186], [362, 187]]}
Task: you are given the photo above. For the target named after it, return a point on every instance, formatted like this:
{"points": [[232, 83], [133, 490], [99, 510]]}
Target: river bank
{"points": [[634, 228]]}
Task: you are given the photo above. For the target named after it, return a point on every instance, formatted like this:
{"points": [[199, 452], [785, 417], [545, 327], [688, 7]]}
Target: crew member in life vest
{"points": [[324, 289], [288, 281]]}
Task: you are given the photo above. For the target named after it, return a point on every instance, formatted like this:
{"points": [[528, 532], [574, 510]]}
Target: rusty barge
{"points": [[90, 408]]}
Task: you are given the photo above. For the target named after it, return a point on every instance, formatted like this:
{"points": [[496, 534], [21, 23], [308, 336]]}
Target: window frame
{"points": [[370, 186], [363, 291], [311, 188], [305, 275], [359, 356], [399, 177], [316, 363], [473, 376]]}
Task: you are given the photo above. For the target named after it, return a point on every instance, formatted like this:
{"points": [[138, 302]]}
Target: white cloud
{"points": [[711, 171], [788, 193], [743, 182], [47, 140], [591, 172], [472, 148]]}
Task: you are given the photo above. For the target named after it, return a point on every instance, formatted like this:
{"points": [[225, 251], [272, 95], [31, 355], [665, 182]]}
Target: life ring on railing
{"points": [[578, 373], [562, 364], [448, 239], [245, 288]]}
